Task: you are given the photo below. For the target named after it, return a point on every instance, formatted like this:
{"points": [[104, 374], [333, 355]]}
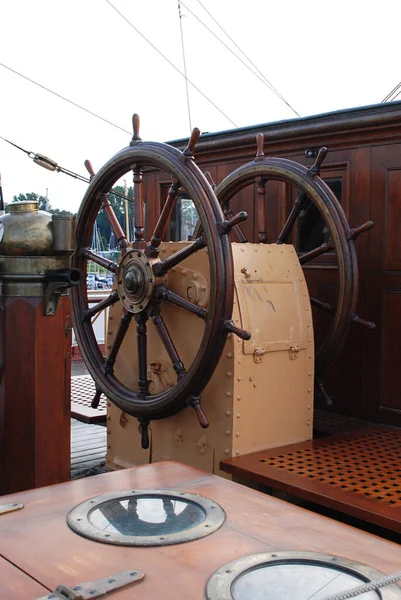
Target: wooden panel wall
{"points": [[383, 373]]}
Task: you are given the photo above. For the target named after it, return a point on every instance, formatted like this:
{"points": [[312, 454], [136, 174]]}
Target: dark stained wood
{"points": [[391, 358], [261, 210], [114, 223], [35, 394], [16, 585], [383, 380], [38, 540], [139, 208], [356, 473]]}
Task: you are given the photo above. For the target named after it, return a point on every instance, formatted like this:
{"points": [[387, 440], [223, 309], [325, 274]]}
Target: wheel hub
{"points": [[135, 281]]}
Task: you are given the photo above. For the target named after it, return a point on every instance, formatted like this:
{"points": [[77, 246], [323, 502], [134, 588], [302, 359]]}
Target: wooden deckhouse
{"points": [[363, 168]]}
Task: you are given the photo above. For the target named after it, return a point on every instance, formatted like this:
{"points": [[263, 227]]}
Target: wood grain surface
{"points": [[16, 585], [38, 539]]}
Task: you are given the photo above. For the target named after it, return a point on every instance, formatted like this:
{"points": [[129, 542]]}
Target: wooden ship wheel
{"points": [[309, 191], [142, 282]]}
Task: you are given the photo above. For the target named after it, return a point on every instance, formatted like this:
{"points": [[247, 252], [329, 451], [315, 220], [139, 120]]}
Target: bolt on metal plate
{"points": [[95, 589]]}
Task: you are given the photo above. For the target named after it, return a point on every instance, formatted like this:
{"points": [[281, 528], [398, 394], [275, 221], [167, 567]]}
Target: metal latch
{"points": [[95, 589], [258, 355], [6, 508]]}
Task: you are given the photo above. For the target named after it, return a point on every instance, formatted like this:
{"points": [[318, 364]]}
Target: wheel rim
{"points": [[287, 171], [180, 167]]}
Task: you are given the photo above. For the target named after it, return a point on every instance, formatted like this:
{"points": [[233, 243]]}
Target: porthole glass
{"points": [[146, 517]]}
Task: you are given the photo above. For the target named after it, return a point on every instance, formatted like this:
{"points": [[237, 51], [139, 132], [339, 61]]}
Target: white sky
{"points": [[321, 56]]}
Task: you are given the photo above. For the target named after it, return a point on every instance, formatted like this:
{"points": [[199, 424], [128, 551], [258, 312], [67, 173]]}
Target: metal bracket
{"points": [[6, 508], [95, 589], [53, 291]]}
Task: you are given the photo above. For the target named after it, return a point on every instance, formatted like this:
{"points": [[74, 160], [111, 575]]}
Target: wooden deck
{"points": [[88, 449]]}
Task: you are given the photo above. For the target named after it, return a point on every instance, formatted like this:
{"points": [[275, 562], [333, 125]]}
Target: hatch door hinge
{"points": [[95, 589]]}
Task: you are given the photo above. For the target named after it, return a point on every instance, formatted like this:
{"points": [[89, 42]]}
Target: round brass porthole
{"points": [[146, 518], [295, 575]]}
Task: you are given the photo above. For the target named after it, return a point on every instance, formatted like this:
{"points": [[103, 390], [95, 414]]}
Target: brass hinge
{"points": [[95, 589], [6, 508]]}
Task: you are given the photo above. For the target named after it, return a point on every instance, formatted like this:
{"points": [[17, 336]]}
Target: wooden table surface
{"points": [[38, 540], [17, 585]]}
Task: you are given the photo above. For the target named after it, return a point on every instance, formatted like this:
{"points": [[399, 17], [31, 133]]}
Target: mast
{"points": [[1, 199]]}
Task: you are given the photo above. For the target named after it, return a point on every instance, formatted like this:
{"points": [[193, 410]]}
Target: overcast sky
{"points": [[321, 56]]}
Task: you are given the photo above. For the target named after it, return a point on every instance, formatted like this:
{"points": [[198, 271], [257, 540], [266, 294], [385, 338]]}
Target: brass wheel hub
{"points": [[135, 281]]}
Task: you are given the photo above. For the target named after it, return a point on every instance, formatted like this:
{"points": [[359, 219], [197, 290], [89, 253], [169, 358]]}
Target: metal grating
{"points": [[367, 465], [82, 392]]}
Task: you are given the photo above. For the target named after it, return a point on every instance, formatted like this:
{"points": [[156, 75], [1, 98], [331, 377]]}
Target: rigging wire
{"points": [[170, 63], [388, 97], [269, 84], [185, 66], [51, 165], [396, 96], [64, 98]]}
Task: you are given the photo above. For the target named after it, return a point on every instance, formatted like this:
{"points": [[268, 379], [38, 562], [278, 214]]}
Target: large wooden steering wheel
{"points": [[141, 282], [311, 190]]}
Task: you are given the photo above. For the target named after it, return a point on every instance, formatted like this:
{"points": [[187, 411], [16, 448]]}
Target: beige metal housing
{"points": [[261, 394]]}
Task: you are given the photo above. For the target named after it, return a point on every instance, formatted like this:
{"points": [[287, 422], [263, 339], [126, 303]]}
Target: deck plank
{"points": [[88, 447]]}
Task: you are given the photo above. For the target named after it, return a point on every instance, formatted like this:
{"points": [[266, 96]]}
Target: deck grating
{"points": [[358, 473], [82, 392]]}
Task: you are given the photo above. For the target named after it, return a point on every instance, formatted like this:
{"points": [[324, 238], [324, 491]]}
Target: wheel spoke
{"points": [[114, 223], [182, 303], [120, 335], [141, 319], [162, 267], [228, 213], [325, 247], [323, 305], [169, 345], [319, 387], [91, 312], [99, 260], [261, 209], [139, 220], [362, 322], [152, 248], [292, 217], [195, 402]]}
